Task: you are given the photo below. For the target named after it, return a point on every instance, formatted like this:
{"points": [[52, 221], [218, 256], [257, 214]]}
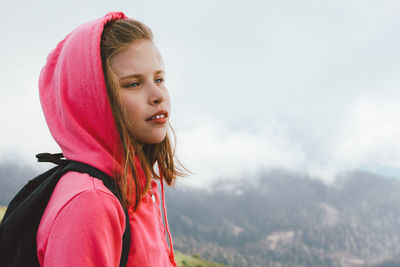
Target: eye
{"points": [[159, 80], [133, 84]]}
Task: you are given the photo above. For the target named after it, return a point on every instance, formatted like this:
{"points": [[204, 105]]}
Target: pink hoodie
{"points": [[84, 222]]}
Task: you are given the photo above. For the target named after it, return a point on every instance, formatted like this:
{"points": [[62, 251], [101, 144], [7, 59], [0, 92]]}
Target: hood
{"points": [[74, 98]]}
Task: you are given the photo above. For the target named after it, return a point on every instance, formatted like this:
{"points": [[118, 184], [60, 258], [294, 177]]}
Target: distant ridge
{"points": [[290, 220]]}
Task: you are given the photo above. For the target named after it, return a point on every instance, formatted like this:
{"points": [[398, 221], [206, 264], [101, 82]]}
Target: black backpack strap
{"points": [[111, 185], [126, 241]]}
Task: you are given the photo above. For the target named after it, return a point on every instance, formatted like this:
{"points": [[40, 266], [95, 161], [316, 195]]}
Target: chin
{"points": [[154, 140]]}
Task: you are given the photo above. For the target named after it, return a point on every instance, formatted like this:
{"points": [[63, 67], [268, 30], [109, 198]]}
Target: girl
{"points": [[104, 99]]}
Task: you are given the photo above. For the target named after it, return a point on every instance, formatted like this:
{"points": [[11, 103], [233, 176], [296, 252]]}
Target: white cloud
{"points": [[211, 151], [371, 133]]}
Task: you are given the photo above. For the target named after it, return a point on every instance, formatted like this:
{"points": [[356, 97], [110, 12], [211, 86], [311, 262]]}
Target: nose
{"points": [[156, 96]]}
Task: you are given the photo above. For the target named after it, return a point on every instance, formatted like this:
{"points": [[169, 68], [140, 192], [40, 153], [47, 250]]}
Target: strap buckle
{"points": [[55, 158]]}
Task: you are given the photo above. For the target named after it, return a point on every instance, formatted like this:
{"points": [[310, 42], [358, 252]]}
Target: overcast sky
{"points": [[309, 86]]}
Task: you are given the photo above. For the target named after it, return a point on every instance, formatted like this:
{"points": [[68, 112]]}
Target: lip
{"points": [[159, 120]]}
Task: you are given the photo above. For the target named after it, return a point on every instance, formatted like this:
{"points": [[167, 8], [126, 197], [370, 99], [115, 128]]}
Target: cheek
{"points": [[131, 108]]}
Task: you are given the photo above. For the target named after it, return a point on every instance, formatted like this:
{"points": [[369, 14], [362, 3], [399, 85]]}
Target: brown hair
{"points": [[116, 37]]}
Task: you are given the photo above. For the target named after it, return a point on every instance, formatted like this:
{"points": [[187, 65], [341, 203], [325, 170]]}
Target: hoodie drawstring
{"points": [[171, 253]]}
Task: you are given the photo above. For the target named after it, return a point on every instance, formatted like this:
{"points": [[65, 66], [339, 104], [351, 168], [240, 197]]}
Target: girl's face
{"points": [[144, 98]]}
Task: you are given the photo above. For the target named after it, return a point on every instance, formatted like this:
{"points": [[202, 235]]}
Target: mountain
{"points": [[281, 219], [286, 219]]}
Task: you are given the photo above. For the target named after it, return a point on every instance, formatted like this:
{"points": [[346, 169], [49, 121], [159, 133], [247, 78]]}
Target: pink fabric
{"points": [[84, 222]]}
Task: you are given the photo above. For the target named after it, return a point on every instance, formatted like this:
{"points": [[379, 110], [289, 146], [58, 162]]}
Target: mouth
{"points": [[159, 117]]}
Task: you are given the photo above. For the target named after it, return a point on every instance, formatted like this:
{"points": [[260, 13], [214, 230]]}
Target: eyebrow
{"points": [[158, 72]]}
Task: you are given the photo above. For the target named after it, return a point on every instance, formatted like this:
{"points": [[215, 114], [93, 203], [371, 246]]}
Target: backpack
{"points": [[21, 221]]}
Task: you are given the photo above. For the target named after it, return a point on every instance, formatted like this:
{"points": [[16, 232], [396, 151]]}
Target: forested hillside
{"points": [[291, 220]]}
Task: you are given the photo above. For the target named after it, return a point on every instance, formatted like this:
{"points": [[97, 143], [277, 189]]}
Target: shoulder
{"points": [[72, 184], [83, 192], [80, 193], [81, 211]]}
